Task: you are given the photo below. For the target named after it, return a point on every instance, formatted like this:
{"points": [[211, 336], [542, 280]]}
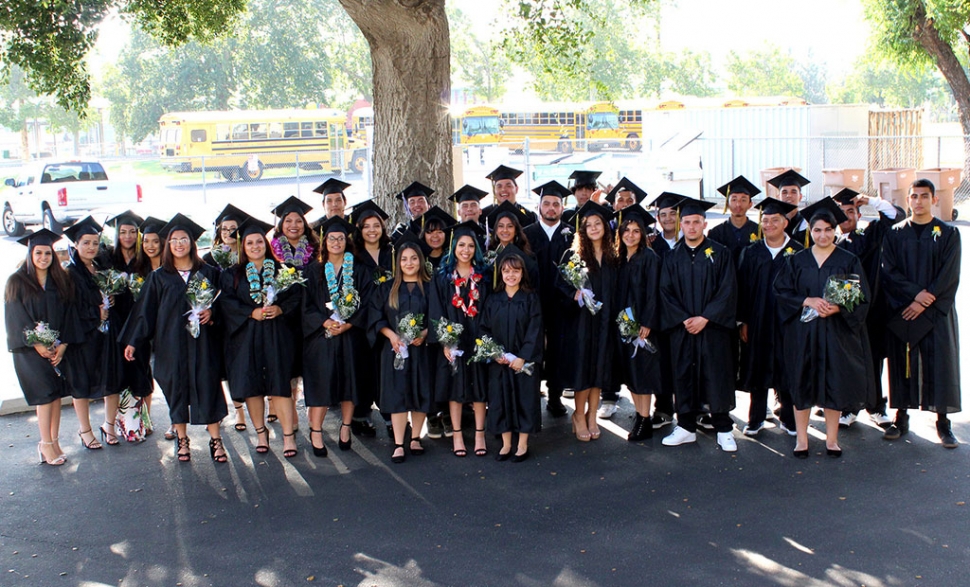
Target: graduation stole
{"points": [[457, 301], [255, 283], [346, 276]]}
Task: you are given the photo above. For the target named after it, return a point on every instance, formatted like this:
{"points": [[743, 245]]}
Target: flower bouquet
{"points": [[201, 296], [841, 290], [382, 275], [43, 334], [135, 283], [286, 278], [133, 420], [449, 333], [409, 328], [630, 332], [224, 255], [110, 282], [486, 349], [576, 274]]}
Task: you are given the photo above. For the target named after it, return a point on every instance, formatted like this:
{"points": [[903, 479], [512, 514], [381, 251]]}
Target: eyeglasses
{"points": [[227, 229], [180, 241], [336, 239]]}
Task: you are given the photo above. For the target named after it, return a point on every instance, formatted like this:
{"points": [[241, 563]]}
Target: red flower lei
{"points": [[457, 301]]}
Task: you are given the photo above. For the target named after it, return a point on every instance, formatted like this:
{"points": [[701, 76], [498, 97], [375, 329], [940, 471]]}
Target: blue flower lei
{"points": [[346, 275], [256, 289]]}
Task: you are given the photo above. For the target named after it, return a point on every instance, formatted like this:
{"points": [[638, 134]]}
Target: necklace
{"points": [[346, 276], [257, 287], [458, 301], [293, 256]]}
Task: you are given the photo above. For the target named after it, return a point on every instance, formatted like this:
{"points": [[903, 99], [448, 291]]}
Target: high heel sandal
{"points": [[318, 451], [594, 430], [340, 441], [262, 448], [580, 436], [481, 452], [181, 443], [93, 445], [58, 460], [108, 437], [398, 459], [458, 452], [215, 444], [416, 451], [292, 452]]}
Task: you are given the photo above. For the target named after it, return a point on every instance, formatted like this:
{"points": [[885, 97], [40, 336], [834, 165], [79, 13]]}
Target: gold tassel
{"points": [[726, 198], [907, 361], [761, 214], [806, 238]]}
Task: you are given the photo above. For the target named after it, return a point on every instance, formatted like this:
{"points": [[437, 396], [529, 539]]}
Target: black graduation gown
{"points": [[40, 383], [552, 300], [702, 364], [295, 319], [794, 230], [525, 216], [187, 369], [662, 248], [117, 374], [910, 264], [638, 287], [531, 270], [828, 359], [762, 359], [513, 398], [259, 354], [734, 239], [469, 381], [587, 359], [138, 373], [85, 370], [408, 389], [332, 367], [370, 380]]}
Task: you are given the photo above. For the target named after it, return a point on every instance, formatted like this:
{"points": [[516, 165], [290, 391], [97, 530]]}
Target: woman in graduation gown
{"points": [[434, 234], [406, 390], [40, 291], [638, 288], [507, 230], [460, 289], [259, 343], [587, 359], [86, 376], [334, 347], [512, 316], [189, 370], [828, 357]]}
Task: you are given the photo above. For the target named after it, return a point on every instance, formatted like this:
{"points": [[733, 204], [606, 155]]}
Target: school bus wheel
{"points": [[359, 162], [248, 174]]}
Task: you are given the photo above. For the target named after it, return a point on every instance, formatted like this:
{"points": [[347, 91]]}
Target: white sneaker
{"points": [[568, 393], [880, 419], [606, 411], [785, 429], [679, 436], [753, 430], [726, 441], [847, 420]]}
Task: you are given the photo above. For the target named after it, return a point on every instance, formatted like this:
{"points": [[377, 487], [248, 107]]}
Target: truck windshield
{"points": [[597, 120], [480, 125], [63, 172]]}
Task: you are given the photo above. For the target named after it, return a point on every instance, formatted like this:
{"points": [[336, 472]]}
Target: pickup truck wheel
{"points": [[10, 224], [49, 222]]}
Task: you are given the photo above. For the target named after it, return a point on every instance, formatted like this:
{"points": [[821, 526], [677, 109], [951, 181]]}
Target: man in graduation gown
{"points": [[762, 365], [583, 188], [468, 200], [334, 200], [505, 188], [549, 239], [738, 231], [920, 276], [668, 217], [698, 302], [790, 184], [866, 243]]}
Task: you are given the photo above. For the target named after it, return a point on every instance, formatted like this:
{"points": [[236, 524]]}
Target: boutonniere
{"points": [[709, 253], [860, 231], [753, 238], [789, 252], [937, 231]]}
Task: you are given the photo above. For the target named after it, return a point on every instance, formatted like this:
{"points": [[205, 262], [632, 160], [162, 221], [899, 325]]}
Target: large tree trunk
{"points": [[25, 142], [926, 34], [411, 61]]}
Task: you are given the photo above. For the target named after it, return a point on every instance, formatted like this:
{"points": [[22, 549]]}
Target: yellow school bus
{"points": [[360, 119], [476, 125], [240, 144]]}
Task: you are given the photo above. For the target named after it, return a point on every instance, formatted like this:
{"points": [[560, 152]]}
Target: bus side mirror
{"points": [[10, 182]]}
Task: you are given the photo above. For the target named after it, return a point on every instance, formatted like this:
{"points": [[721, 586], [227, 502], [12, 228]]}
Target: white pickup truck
{"points": [[56, 194]]}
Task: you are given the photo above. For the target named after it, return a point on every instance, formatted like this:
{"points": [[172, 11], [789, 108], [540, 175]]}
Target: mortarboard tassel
{"points": [[907, 361], [760, 229], [806, 238], [727, 197]]}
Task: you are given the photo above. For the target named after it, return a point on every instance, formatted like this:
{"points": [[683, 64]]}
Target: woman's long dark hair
{"points": [[515, 262], [118, 256], [621, 248], [584, 246], [144, 265], [168, 259], [23, 283], [359, 243], [449, 262], [325, 255], [239, 269], [423, 276], [519, 240], [311, 236]]}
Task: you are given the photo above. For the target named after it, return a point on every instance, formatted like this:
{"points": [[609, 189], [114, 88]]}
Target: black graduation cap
{"points": [[552, 188], [788, 178], [739, 185], [42, 237], [291, 204], [414, 190], [433, 213], [846, 196], [151, 225], [590, 208], [405, 237], [506, 208], [182, 222], [690, 206], [667, 200], [466, 193], [502, 172], [583, 177], [625, 185], [331, 186], [231, 212], [127, 217], [366, 209], [251, 226], [87, 225], [826, 203], [910, 331], [336, 224], [774, 206], [635, 211], [469, 227]]}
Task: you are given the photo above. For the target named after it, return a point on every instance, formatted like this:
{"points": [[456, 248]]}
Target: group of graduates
{"points": [[441, 314]]}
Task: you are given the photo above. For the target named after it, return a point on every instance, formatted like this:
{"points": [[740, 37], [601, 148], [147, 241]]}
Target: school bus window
{"points": [[275, 130], [257, 130], [544, 118], [291, 130], [222, 132], [198, 135], [240, 132], [306, 130], [321, 129]]}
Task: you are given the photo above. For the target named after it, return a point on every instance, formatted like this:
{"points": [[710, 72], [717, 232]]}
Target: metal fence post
{"points": [[528, 172], [204, 191], [297, 154]]}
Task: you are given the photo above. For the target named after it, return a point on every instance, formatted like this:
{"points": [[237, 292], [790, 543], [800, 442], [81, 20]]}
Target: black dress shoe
{"points": [[946, 434], [835, 453], [521, 457], [556, 409], [800, 454], [363, 428], [503, 457], [642, 429], [898, 428]]}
